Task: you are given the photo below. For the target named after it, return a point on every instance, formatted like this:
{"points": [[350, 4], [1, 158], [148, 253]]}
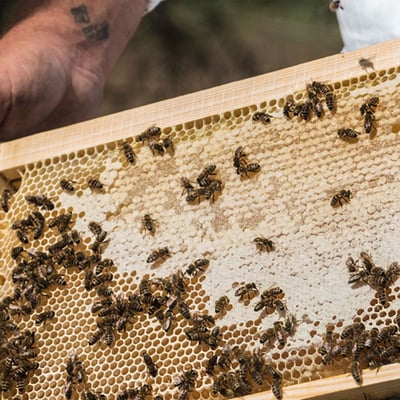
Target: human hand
{"points": [[56, 59], [42, 87]]}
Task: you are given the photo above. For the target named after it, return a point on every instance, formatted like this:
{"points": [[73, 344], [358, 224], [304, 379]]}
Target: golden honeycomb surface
{"points": [[303, 165]]}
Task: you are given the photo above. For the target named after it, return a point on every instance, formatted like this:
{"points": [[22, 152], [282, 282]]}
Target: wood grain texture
{"points": [[383, 383], [194, 106]]}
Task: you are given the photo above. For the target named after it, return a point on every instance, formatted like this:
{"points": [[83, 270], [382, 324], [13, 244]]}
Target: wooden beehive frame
{"points": [[203, 104]]}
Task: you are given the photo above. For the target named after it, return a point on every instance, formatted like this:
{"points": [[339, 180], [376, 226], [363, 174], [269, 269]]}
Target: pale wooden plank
{"points": [[193, 106], [384, 382]]}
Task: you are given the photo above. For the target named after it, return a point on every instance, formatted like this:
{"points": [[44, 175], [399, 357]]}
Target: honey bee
{"points": [[144, 289], [246, 291], [262, 117], [109, 336], [186, 380], [211, 363], [268, 336], [339, 198], [350, 330], [95, 337], [274, 291], [24, 224], [386, 333], [5, 199], [168, 145], [347, 133], [68, 390], [100, 304], [330, 100], [187, 185], [40, 201], [105, 291], [128, 152], [221, 304], [276, 387], [214, 187], [243, 170], [315, 102], [351, 265], [367, 261], [370, 105], [107, 263], [100, 279], [203, 179], [369, 125], [89, 395], [239, 158], [60, 244], [184, 309], [158, 254], [98, 232], [263, 244], [153, 370], [62, 221], [168, 318], [76, 238], [157, 148], [149, 134], [288, 108], [197, 265], [334, 5], [356, 372], [128, 394], [149, 224], [392, 272], [67, 185], [22, 236], [218, 385], [16, 252], [359, 344], [96, 185], [40, 223], [280, 333], [305, 112], [44, 316]]}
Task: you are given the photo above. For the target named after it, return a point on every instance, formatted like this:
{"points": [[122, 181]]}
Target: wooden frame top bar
{"points": [[194, 106]]}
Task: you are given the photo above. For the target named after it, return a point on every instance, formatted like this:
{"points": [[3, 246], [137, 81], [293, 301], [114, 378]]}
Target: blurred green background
{"points": [[188, 45]]}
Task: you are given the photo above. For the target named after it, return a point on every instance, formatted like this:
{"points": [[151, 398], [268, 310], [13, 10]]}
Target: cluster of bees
{"points": [[363, 347], [250, 367], [270, 301], [207, 185], [366, 272], [317, 93], [18, 354]]}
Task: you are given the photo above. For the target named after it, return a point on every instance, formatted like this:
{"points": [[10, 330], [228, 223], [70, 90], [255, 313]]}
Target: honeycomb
{"points": [[286, 204]]}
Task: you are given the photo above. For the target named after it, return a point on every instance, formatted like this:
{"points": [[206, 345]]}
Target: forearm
{"points": [[94, 33]]}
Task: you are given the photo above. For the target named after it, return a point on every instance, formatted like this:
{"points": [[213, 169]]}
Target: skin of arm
{"points": [[56, 58]]}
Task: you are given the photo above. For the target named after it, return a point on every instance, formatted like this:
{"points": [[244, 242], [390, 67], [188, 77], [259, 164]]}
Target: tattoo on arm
{"points": [[96, 31], [80, 14]]}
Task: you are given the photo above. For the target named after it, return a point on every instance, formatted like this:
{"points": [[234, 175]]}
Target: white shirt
{"points": [[363, 23]]}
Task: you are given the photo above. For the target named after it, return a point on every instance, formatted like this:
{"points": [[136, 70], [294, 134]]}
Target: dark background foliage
{"points": [[188, 45]]}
